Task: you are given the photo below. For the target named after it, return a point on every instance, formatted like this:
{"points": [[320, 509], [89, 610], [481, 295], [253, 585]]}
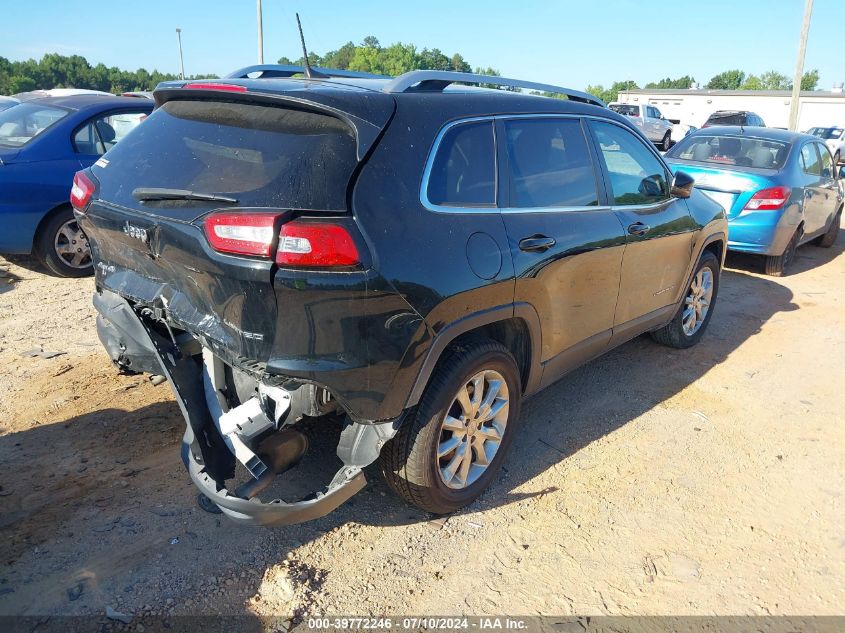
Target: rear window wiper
{"points": [[163, 193]]}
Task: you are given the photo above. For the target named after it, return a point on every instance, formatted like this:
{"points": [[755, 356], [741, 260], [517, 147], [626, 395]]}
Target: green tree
{"points": [[810, 80], [681, 83], [727, 80]]}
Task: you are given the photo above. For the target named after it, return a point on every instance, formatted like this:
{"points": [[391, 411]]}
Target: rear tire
{"points": [[687, 326], [829, 238], [776, 264], [424, 462], [667, 142], [62, 246]]}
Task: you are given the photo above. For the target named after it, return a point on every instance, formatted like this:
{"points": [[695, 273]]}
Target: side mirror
{"points": [[842, 172], [682, 185]]}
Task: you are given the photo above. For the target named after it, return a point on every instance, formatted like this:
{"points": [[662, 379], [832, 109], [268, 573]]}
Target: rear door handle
{"points": [[536, 243], [638, 228]]}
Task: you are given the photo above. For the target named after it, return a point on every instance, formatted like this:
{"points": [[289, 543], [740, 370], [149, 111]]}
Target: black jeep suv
{"points": [[417, 253]]}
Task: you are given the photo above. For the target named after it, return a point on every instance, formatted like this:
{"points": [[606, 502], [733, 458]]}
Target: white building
{"points": [[693, 106]]}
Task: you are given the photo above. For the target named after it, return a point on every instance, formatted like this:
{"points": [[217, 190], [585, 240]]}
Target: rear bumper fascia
{"points": [[208, 461]]}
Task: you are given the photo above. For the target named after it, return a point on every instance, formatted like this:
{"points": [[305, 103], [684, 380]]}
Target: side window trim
{"points": [[501, 188], [429, 165]]}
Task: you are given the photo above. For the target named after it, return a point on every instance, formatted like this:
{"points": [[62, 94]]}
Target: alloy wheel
{"points": [[472, 429], [697, 302]]}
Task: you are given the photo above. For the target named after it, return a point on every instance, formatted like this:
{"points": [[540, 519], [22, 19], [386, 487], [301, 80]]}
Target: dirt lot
{"points": [[652, 481]]}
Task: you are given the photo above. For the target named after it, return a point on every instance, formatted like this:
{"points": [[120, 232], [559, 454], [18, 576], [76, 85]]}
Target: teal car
{"points": [[780, 189]]}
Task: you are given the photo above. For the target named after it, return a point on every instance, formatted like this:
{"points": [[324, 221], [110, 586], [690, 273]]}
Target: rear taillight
{"points": [[81, 192], [316, 244], [242, 233], [215, 86], [768, 199]]}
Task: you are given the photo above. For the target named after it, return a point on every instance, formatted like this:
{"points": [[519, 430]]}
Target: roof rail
{"points": [[278, 70], [435, 80]]}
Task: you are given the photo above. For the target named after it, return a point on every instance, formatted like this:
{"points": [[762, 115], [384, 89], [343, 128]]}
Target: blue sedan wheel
{"points": [[62, 246]]}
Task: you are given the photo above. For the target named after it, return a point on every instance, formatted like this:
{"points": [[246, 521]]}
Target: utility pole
{"points": [[799, 67], [181, 60], [260, 35]]}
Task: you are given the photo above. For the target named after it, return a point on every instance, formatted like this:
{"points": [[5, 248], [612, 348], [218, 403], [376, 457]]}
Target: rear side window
{"points": [[810, 160], [263, 156], [636, 175], [101, 134], [549, 164], [463, 173]]}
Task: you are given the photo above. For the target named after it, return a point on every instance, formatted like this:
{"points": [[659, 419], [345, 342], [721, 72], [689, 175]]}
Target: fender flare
{"points": [[475, 320]]}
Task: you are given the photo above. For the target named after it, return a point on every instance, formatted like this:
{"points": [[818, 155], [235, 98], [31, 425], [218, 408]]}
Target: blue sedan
{"points": [[43, 143], [780, 189]]}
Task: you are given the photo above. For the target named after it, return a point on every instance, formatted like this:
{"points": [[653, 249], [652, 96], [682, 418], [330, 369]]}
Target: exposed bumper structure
{"points": [[207, 453]]}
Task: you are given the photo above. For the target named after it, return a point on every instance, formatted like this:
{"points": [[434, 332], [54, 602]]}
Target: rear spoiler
{"points": [[367, 117]]}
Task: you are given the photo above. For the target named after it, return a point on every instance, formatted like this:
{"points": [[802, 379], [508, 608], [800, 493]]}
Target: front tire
{"points": [[62, 246], [667, 142], [451, 448], [688, 325], [776, 264]]}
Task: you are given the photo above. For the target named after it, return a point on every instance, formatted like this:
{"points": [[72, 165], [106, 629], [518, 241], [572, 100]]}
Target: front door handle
{"points": [[638, 228], [536, 243]]}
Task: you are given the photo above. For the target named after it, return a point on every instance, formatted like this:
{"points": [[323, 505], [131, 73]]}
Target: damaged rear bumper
{"points": [[127, 336], [348, 482]]}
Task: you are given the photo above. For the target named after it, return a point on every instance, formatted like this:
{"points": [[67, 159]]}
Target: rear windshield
{"points": [[627, 110], [826, 132], [23, 122], [263, 156], [731, 150], [728, 118]]}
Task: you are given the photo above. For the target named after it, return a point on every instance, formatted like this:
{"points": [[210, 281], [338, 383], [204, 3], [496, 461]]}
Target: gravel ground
{"points": [[651, 481]]}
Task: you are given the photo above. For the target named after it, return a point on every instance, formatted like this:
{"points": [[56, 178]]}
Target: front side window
{"points": [[463, 173], [810, 160], [549, 164], [101, 134], [23, 122], [636, 175]]}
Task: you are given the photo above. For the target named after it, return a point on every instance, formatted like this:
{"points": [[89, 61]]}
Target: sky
{"points": [[568, 43]]}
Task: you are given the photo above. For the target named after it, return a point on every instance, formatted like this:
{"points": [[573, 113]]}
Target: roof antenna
{"points": [[309, 72]]}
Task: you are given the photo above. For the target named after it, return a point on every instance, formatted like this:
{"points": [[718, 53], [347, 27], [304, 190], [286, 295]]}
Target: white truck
{"points": [[654, 125]]}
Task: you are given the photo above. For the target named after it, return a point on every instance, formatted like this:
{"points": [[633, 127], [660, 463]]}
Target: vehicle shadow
{"points": [[8, 279], [123, 524]]}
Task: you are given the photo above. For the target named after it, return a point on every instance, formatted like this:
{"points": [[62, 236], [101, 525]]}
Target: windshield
{"points": [[260, 155], [741, 151], [23, 122], [826, 132], [627, 110]]}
